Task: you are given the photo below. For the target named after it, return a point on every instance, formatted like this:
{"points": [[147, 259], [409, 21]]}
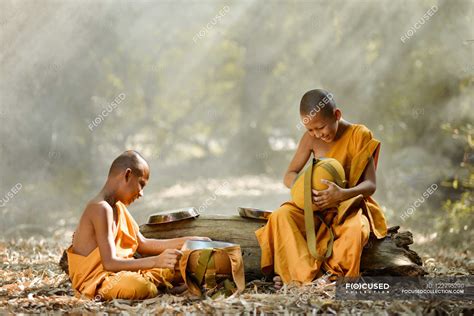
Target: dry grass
{"points": [[32, 282]]}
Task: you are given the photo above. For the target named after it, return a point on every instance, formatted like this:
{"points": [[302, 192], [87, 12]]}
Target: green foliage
{"points": [[457, 225]]}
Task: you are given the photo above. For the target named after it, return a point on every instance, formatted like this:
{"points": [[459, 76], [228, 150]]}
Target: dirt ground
{"points": [[32, 282]]}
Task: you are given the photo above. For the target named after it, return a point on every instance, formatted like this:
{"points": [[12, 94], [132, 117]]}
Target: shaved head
{"points": [[129, 159], [317, 100]]}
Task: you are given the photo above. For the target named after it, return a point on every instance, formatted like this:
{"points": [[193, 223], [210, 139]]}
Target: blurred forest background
{"points": [[212, 91]]}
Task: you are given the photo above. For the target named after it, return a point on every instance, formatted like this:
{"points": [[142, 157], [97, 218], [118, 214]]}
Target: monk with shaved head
{"points": [[101, 262], [346, 215]]}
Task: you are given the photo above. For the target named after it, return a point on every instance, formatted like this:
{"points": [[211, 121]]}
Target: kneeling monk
{"points": [[349, 211], [101, 263]]}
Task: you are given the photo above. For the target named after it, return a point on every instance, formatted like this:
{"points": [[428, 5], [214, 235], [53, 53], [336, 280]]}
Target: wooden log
{"points": [[391, 255], [387, 256]]}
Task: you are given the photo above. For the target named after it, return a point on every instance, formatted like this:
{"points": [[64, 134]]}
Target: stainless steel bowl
{"points": [[173, 215], [254, 213], [203, 244]]}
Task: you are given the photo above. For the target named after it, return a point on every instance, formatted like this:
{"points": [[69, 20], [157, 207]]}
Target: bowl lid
{"points": [[173, 215], [254, 213]]}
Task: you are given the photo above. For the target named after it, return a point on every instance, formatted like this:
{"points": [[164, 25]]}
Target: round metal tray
{"points": [[254, 213], [173, 215]]}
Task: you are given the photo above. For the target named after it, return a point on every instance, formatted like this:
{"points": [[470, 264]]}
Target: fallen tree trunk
{"points": [[387, 256]]}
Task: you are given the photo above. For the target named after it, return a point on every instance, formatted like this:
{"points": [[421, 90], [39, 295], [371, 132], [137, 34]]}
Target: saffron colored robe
{"points": [[90, 279], [283, 239]]}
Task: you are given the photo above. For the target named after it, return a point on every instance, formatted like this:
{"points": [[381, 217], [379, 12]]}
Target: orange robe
{"points": [[89, 278], [283, 239]]}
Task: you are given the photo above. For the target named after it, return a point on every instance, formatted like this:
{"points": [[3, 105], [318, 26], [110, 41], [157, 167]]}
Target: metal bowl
{"points": [[173, 215], [254, 213], [203, 244]]}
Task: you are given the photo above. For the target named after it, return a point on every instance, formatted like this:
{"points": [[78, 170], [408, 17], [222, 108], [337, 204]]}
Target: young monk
{"points": [[101, 263], [283, 239]]}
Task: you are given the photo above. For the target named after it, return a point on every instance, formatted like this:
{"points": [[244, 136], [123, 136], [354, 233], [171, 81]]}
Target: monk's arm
{"points": [[366, 187], [299, 160], [148, 246], [102, 218]]}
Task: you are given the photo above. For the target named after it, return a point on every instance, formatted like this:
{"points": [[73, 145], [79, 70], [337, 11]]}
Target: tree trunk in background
{"points": [[248, 149]]}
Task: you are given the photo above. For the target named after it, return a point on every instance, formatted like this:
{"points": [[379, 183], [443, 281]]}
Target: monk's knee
{"points": [[128, 285], [281, 214], [144, 289], [357, 225], [365, 230]]}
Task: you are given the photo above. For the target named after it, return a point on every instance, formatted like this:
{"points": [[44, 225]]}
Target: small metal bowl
{"points": [[254, 213], [173, 215], [203, 244]]}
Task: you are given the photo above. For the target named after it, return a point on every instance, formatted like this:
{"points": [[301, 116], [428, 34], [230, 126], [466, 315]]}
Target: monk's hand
{"points": [[329, 198], [168, 259]]}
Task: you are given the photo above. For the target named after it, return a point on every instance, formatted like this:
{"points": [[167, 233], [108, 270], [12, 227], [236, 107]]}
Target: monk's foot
{"points": [[178, 289], [278, 283]]}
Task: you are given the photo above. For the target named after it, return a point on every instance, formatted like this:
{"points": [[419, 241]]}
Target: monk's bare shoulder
{"points": [[308, 142], [96, 213], [100, 214], [97, 207]]}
